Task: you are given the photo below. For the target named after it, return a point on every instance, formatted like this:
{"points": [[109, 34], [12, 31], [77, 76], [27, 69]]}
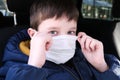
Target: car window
{"points": [[3, 9], [97, 9]]}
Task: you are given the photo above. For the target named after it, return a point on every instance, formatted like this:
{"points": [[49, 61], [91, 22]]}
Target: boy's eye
{"points": [[53, 33], [72, 32]]}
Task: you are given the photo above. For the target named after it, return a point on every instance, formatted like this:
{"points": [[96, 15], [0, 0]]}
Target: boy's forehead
{"points": [[60, 22], [61, 19]]}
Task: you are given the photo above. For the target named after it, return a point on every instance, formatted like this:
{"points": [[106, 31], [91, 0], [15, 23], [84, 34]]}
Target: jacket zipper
{"points": [[78, 72], [70, 72]]}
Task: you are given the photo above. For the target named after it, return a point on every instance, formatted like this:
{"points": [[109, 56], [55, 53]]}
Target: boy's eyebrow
{"points": [[73, 27], [53, 27], [58, 27]]}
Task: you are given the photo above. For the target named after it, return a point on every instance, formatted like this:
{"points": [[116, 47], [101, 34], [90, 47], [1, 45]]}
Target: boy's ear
{"points": [[31, 32]]}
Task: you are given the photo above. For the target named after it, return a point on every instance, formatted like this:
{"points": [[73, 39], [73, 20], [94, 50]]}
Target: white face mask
{"points": [[62, 49]]}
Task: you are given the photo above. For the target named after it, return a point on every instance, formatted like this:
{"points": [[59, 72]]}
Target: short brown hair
{"points": [[44, 9]]}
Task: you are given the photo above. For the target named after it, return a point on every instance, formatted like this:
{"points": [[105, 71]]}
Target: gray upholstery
{"points": [[116, 37]]}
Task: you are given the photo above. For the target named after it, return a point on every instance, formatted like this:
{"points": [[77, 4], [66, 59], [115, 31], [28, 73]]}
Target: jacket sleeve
{"points": [[25, 72], [113, 73]]}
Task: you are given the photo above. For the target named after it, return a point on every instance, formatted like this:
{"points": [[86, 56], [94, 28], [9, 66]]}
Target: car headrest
{"points": [[116, 9], [21, 9], [19, 5], [1, 15]]}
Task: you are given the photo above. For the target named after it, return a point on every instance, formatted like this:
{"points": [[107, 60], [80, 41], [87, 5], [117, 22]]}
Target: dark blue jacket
{"points": [[15, 66]]}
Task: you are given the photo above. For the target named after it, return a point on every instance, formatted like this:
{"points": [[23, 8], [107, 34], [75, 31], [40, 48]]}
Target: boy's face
{"points": [[56, 27]]}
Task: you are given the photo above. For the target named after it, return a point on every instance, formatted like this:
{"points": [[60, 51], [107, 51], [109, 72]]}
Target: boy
{"points": [[51, 50]]}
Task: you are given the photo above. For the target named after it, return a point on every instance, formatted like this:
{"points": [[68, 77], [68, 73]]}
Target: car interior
{"points": [[96, 28], [116, 37]]}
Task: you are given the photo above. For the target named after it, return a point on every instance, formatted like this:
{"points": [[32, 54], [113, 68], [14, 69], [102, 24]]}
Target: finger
{"points": [[80, 34], [87, 43], [38, 34], [81, 39], [35, 34], [48, 41], [93, 45], [99, 44]]}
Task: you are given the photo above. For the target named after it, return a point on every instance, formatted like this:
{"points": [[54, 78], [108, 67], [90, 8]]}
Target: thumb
{"points": [[48, 43]]}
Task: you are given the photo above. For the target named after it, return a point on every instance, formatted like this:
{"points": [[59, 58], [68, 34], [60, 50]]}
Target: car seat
{"points": [[116, 37], [4, 37], [1, 18], [21, 10], [116, 32], [116, 9], [1, 15]]}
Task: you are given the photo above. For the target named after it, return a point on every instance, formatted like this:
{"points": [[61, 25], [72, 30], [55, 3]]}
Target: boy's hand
{"points": [[39, 44], [93, 51]]}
